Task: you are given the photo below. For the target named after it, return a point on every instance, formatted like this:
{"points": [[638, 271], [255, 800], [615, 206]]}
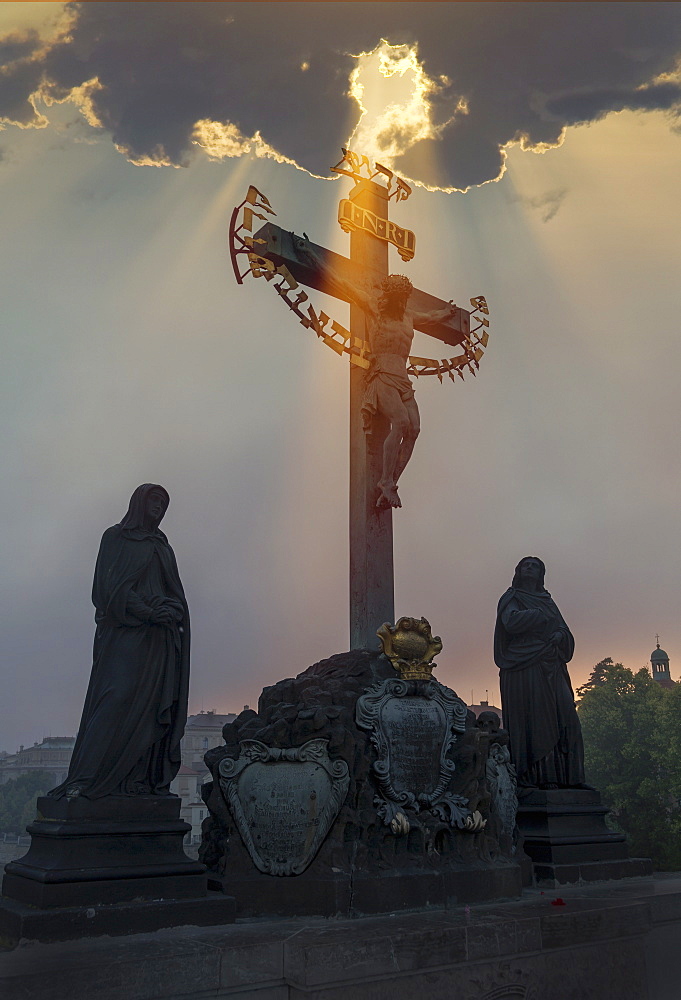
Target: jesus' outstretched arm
{"points": [[334, 284], [436, 316]]}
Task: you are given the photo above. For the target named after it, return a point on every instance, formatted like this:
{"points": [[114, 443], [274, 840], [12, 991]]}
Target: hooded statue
{"points": [[136, 705], [532, 647]]}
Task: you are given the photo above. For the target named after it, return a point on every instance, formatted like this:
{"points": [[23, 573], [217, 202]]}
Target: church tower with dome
{"points": [[659, 665]]}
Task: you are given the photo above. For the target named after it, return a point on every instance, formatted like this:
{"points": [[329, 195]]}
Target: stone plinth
{"points": [[108, 850], [566, 836], [111, 866]]}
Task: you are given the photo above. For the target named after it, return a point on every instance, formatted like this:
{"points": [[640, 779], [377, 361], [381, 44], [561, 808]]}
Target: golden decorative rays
{"points": [[336, 336], [357, 162]]}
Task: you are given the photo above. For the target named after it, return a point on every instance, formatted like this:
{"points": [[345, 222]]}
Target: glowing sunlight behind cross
{"points": [[393, 91]]}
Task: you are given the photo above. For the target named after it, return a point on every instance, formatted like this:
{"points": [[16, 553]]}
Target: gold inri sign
{"points": [[351, 218]]}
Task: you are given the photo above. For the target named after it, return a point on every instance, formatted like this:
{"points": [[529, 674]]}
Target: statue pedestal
{"points": [[108, 863], [566, 837], [105, 851]]}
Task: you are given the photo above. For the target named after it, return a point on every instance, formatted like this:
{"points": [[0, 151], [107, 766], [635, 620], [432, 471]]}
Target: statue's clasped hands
{"points": [[165, 615]]}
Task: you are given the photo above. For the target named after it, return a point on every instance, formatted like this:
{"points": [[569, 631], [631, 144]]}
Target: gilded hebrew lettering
{"points": [[261, 267], [352, 217], [403, 190], [380, 169], [317, 322], [257, 198]]}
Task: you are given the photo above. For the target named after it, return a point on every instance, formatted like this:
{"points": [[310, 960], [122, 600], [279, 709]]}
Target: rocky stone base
{"points": [[366, 863], [613, 941], [365, 893]]}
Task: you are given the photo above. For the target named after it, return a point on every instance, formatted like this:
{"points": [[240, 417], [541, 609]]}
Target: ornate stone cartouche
{"points": [[410, 646]]}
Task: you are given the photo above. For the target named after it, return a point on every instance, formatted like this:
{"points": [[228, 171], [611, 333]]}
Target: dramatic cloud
{"points": [[546, 204], [282, 77], [17, 46], [593, 104]]}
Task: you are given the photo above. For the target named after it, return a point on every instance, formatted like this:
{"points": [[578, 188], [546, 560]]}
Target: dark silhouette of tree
{"points": [[17, 800], [632, 743], [597, 676]]}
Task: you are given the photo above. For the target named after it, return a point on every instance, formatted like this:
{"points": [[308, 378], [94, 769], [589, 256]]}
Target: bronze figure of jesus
{"points": [[389, 391], [385, 310]]}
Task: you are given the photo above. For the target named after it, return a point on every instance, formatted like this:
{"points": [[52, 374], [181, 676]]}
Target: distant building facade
{"points": [[485, 706], [53, 756], [659, 667], [203, 732]]}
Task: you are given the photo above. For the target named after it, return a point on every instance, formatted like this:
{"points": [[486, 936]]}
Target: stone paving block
{"points": [[611, 970], [490, 938], [250, 963], [271, 992], [351, 952], [596, 973], [577, 925], [665, 906], [461, 983], [140, 967], [75, 983], [663, 961], [528, 934], [311, 963]]}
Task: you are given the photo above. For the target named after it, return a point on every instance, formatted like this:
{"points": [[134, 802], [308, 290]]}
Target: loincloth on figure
{"points": [[389, 370]]}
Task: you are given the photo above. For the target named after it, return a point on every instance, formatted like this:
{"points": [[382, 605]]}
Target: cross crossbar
{"points": [[276, 244]]}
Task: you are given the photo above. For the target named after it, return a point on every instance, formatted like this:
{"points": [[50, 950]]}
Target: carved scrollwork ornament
{"points": [[283, 801], [413, 725]]}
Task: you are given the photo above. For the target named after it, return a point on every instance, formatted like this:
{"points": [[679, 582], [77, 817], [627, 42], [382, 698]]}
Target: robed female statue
{"points": [[532, 647], [136, 705]]}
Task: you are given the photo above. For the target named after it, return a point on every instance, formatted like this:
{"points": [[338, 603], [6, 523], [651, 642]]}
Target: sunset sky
{"points": [[543, 144]]}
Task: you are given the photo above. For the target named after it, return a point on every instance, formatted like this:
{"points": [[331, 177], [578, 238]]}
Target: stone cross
{"points": [[273, 251]]}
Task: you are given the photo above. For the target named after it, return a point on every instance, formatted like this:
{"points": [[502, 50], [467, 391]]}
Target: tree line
{"points": [[632, 747], [17, 800]]}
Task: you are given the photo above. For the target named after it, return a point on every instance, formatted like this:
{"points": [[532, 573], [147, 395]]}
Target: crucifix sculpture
{"points": [[384, 312]]}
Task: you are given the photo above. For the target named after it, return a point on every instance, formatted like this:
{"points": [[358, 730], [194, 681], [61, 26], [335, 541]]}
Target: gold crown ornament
{"points": [[410, 646]]}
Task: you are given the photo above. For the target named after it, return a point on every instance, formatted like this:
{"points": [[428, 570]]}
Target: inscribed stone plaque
{"points": [[415, 730], [283, 801], [413, 725]]}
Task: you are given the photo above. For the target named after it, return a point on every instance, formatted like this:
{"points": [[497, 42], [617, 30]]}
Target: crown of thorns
{"points": [[397, 283]]}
